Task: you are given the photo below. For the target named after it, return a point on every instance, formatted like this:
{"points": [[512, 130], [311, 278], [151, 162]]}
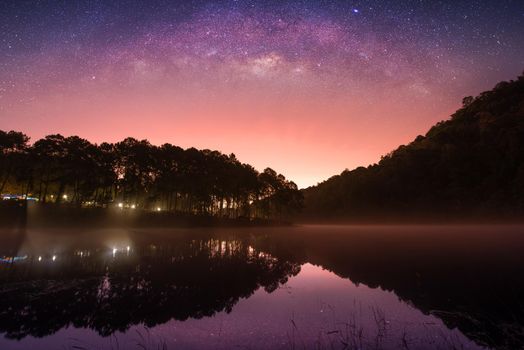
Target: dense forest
{"points": [[134, 174], [471, 164]]}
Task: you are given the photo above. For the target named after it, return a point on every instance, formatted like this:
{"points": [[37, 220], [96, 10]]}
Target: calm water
{"points": [[327, 287]]}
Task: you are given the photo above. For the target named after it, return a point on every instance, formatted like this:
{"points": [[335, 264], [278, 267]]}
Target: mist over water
{"points": [[380, 287]]}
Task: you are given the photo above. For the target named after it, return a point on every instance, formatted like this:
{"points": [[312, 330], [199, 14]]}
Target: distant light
{"points": [[355, 10], [114, 251], [64, 196], [120, 205], [158, 209], [39, 258], [54, 257], [52, 196], [128, 248], [133, 206]]}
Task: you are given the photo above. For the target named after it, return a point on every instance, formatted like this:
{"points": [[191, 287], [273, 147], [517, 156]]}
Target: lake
{"points": [[312, 287]]}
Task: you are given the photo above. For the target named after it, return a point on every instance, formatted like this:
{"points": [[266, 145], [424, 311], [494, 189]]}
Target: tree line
{"points": [[136, 174], [471, 164]]}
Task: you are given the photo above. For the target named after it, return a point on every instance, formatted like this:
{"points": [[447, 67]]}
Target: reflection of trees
{"points": [[150, 286], [474, 285]]}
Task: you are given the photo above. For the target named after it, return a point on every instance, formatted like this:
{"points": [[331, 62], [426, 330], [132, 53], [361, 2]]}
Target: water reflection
{"points": [[109, 282], [110, 290], [470, 277]]}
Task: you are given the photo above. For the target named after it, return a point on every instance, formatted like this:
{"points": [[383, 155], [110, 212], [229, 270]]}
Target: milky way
{"points": [[307, 87]]}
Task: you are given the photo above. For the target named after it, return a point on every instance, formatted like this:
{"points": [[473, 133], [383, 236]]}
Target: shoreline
{"points": [[36, 215], [16, 215]]}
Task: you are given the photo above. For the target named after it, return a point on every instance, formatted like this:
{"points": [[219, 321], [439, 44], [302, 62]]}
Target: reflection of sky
{"points": [[317, 301]]}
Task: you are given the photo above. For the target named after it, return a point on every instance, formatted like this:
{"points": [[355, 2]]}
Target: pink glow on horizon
{"points": [[306, 140], [306, 95]]}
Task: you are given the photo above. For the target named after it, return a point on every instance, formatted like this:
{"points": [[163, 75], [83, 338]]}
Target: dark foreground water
{"points": [[338, 287]]}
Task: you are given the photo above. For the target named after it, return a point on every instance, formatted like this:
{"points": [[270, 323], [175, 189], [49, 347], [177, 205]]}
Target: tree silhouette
{"points": [[472, 164], [73, 171], [13, 146]]}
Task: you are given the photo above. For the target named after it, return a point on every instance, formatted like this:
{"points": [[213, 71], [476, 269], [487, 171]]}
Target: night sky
{"points": [[307, 87]]}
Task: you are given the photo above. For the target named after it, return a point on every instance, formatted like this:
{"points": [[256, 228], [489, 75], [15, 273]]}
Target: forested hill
{"points": [[471, 164]]}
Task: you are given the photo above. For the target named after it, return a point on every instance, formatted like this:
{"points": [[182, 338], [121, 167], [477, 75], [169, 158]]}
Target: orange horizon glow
{"points": [[306, 90], [292, 140]]}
